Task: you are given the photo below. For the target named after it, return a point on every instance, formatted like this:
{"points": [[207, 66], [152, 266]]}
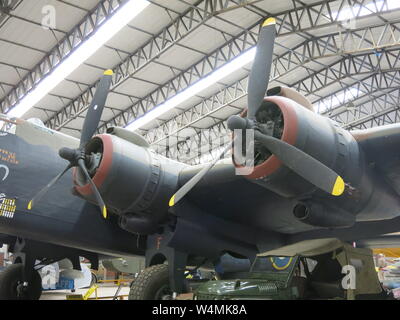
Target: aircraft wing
{"points": [[223, 193], [229, 196], [381, 147], [221, 189]]}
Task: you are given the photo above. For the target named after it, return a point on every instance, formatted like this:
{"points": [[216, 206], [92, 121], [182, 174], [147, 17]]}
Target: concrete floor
{"points": [[104, 290]]}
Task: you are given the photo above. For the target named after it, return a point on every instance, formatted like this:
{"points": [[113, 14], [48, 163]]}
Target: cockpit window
{"points": [[36, 121]]}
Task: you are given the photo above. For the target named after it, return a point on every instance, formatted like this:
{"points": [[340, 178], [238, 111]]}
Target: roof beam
{"points": [[365, 86], [222, 99], [347, 42], [229, 95], [288, 24], [83, 30], [381, 110], [387, 103], [374, 83], [178, 29], [6, 7], [348, 66], [188, 150], [317, 48], [210, 140]]}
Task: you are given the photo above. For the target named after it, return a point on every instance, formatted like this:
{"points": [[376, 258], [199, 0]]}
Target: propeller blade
{"points": [[99, 199], [96, 107], [195, 179], [261, 69], [42, 192], [303, 164]]}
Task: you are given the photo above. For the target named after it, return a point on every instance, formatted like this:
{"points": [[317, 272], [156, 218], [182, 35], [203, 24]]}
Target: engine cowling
{"points": [[133, 180], [325, 141], [317, 136]]}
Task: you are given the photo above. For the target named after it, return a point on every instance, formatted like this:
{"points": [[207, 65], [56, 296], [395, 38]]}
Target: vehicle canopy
{"points": [[326, 250]]}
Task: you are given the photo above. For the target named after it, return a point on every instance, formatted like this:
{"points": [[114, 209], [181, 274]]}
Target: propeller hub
{"points": [[67, 154], [237, 122], [72, 155]]}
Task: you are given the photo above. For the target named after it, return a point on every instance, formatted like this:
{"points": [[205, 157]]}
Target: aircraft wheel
{"points": [[151, 284], [11, 285]]}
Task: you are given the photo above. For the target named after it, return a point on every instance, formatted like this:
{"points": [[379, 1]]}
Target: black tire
{"points": [[151, 284], [11, 277]]}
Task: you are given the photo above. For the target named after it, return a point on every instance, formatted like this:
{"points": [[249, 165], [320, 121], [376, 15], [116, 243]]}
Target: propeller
{"points": [[261, 69], [300, 162], [258, 82], [78, 157], [295, 159], [196, 178]]}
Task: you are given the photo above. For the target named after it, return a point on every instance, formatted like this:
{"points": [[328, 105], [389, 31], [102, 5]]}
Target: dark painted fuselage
{"points": [[28, 161], [223, 213]]}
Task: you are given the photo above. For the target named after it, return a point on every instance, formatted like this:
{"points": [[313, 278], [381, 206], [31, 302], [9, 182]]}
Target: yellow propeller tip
{"points": [[172, 201], [30, 205], [269, 21], [108, 72], [339, 186], [105, 212]]}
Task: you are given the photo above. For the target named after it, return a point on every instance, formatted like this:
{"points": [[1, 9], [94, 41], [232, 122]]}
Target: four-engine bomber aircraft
{"points": [[311, 179]]}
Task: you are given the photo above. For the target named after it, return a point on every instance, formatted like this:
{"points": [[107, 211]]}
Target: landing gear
{"points": [[13, 287], [164, 276], [93, 281], [152, 284]]}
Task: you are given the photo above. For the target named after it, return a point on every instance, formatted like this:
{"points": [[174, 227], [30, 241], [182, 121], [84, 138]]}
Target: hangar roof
{"points": [[344, 58]]}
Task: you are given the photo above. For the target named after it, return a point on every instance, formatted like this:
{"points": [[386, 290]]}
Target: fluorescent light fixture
{"points": [[86, 49], [230, 67], [337, 100], [241, 61]]}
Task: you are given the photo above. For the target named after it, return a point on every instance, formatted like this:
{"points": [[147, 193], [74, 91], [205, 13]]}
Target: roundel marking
{"points": [[281, 263]]}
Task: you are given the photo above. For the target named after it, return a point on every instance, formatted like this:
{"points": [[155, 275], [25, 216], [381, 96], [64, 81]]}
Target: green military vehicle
{"points": [[311, 269]]}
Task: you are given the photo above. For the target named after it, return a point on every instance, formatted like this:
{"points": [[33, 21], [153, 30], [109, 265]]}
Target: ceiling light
{"points": [[245, 58], [86, 49], [227, 69]]}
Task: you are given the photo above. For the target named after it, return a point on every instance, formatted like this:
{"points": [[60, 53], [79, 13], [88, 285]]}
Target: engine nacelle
{"points": [[132, 179], [325, 141], [317, 136], [333, 146]]}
